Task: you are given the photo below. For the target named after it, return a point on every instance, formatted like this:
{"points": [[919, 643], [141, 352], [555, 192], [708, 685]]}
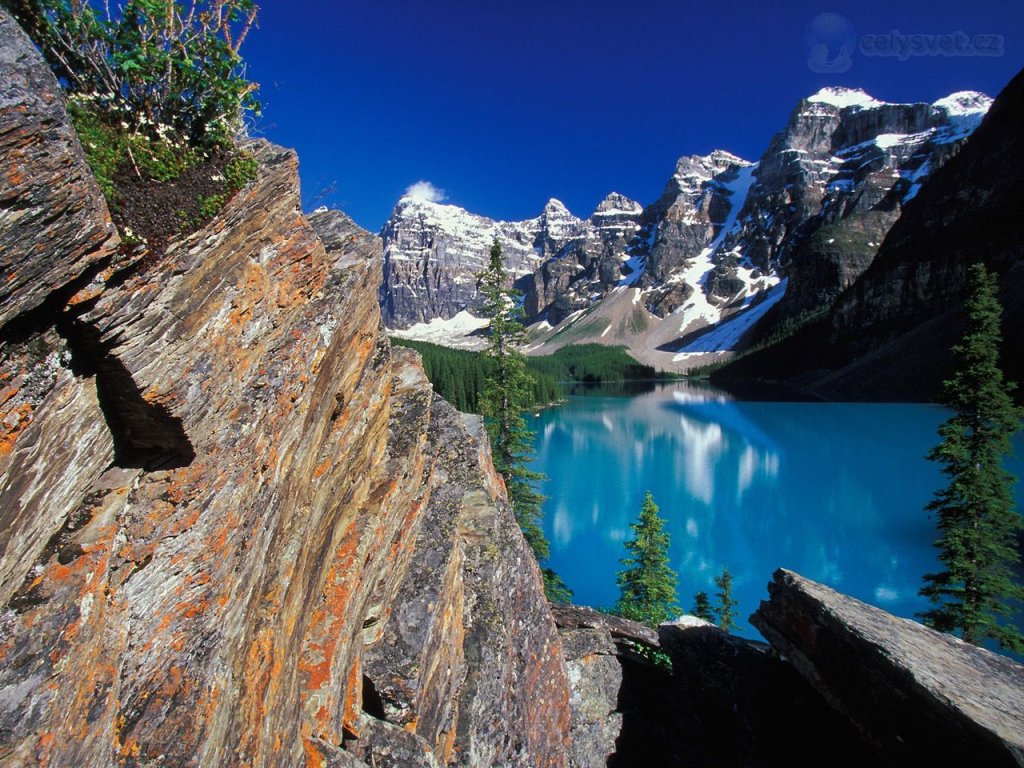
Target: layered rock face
{"points": [[432, 253], [968, 213], [688, 269], [842, 683], [223, 498], [923, 698], [43, 186], [713, 699], [585, 268]]}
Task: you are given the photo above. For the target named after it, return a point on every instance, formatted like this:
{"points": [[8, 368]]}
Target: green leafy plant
{"points": [[108, 146], [240, 170], [157, 92], [655, 655]]}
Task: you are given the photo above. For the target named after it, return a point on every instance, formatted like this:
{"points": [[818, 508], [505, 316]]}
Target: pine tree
{"points": [[726, 609], [702, 607], [506, 394], [975, 513], [647, 586]]}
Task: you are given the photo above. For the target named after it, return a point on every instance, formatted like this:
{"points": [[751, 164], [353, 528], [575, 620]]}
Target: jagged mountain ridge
{"points": [[888, 336], [432, 251], [726, 236]]}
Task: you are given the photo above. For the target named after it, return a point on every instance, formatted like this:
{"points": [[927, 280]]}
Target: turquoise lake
{"points": [[834, 491]]}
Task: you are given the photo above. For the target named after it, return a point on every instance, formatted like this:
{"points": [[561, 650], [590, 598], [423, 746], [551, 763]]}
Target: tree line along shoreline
{"points": [[459, 375]]}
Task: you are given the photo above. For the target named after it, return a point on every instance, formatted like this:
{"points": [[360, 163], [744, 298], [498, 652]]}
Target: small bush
{"points": [[157, 94], [240, 170], [157, 64]]}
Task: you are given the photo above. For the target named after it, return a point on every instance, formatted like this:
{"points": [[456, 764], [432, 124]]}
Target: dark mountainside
{"points": [[238, 529], [888, 336]]}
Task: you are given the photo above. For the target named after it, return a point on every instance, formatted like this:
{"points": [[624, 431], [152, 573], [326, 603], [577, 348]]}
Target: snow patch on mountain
{"points": [[455, 332], [726, 335], [844, 98], [916, 179], [964, 103], [964, 112], [696, 274], [617, 205]]}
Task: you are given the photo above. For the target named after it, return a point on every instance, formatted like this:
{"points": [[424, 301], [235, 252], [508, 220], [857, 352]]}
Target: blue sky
{"points": [[506, 103]]}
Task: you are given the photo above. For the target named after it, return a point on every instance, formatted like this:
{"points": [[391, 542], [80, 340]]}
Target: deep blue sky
{"points": [[505, 103]]}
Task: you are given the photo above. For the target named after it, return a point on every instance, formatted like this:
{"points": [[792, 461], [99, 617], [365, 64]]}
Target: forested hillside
{"points": [[458, 375]]}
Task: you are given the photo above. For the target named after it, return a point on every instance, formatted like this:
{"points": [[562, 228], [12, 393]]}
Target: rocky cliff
{"points": [[433, 251], [238, 529], [842, 683], [834, 181], [889, 334]]}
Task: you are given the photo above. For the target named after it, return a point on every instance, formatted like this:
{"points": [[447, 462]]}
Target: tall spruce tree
{"points": [[726, 609], [702, 607], [647, 586], [975, 512], [507, 393]]}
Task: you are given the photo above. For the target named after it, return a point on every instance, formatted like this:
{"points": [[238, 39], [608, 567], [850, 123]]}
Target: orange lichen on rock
{"points": [[13, 424], [353, 707]]}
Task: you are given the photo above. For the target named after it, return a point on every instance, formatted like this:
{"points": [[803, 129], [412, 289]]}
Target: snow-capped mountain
{"points": [[889, 335], [727, 240], [834, 180], [432, 252]]}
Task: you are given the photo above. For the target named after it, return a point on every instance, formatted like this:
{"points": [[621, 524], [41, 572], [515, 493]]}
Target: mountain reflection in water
{"points": [[835, 491]]}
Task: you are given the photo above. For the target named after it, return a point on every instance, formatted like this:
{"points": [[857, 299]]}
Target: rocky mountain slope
{"points": [[890, 333], [236, 528], [727, 243]]}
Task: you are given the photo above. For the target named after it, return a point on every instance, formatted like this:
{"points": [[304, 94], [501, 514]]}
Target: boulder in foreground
{"points": [[922, 697]]}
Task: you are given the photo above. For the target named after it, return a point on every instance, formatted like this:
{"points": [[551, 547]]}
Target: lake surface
{"points": [[833, 491]]}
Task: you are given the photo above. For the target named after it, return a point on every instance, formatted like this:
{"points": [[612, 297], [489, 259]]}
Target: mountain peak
{"points": [[692, 170], [412, 201], [964, 103], [724, 158], [615, 203], [842, 98], [556, 207]]}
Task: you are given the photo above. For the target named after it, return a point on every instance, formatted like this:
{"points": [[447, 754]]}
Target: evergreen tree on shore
{"points": [[507, 393], [726, 609], [647, 586], [975, 512], [702, 607]]}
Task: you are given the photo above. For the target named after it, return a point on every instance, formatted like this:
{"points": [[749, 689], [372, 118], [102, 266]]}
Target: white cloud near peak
{"points": [[425, 191]]}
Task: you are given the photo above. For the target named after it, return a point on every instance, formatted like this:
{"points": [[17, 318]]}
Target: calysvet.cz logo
{"points": [[831, 42]]}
